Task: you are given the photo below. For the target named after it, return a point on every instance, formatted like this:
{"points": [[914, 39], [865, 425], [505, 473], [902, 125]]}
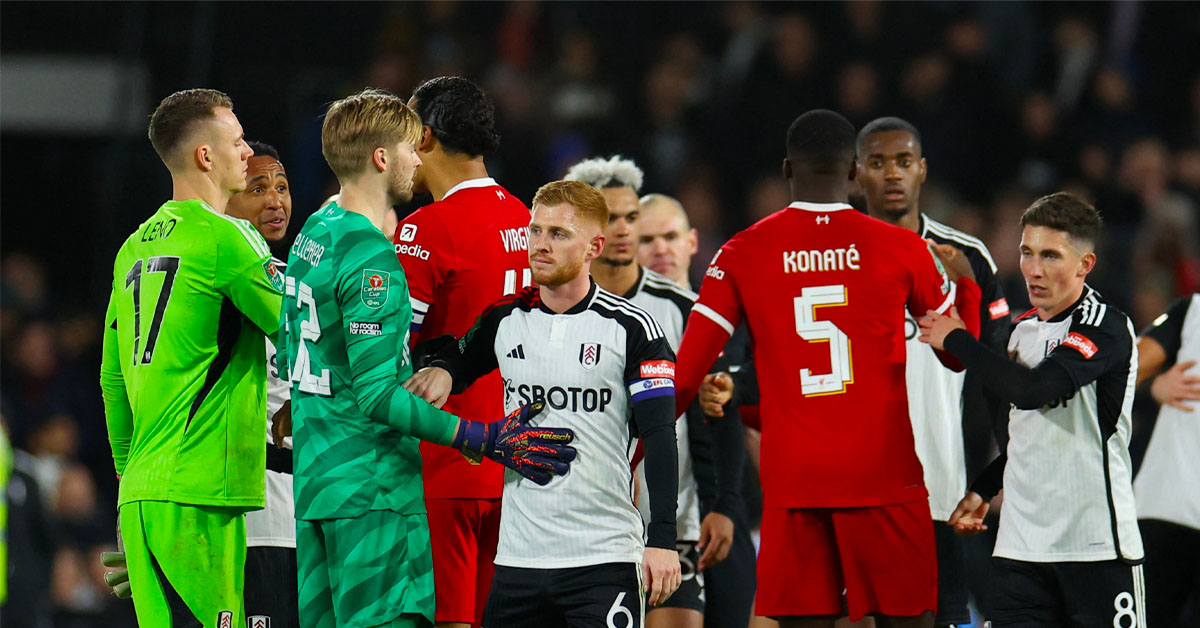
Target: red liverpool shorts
{"points": [[856, 561], [463, 535]]}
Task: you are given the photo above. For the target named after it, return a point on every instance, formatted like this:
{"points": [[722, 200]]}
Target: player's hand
{"points": [[967, 517], [716, 537], [715, 391], [432, 383], [935, 327], [662, 573], [118, 576], [957, 265], [538, 453], [281, 423], [1173, 387]]}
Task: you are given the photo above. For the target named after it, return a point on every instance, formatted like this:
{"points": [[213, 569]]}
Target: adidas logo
{"points": [[517, 354]]}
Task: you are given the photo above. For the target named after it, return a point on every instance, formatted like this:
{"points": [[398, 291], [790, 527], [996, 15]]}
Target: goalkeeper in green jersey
{"points": [[193, 294], [362, 538]]}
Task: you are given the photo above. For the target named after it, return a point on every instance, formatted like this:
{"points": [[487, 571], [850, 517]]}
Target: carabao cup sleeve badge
{"points": [[374, 291]]}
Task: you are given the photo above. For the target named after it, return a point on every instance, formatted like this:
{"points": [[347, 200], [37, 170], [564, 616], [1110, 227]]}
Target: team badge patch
{"points": [[225, 619], [374, 292], [589, 354], [273, 275], [258, 621]]}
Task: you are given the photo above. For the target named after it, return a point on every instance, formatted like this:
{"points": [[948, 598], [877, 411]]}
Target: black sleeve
{"points": [[473, 355], [650, 372], [994, 317], [1167, 329], [985, 416], [704, 463], [730, 455], [1016, 383], [991, 480]]}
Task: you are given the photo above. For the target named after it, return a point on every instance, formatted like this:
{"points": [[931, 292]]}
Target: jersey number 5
{"points": [[168, 265], [840, 363], [310, 331]]}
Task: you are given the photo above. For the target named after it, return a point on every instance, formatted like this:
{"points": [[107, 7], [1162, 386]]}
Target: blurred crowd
{"points": [[1013, 100]]}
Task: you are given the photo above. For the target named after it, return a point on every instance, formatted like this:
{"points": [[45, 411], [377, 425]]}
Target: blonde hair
{"points": [[356, 125], [588, 201]]}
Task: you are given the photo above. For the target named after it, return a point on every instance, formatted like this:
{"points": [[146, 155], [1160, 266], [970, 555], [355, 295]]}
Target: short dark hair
{"points": [[263, 149], [1064, 211], [823, 139], [461, 116], [177, 113], [888, 123]]}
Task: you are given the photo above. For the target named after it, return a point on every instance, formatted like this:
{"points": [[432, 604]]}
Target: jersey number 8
{"points": [[840, 363]]}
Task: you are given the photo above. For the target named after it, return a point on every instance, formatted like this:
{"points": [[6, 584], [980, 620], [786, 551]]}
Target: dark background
{"points": [[1014, 100]]}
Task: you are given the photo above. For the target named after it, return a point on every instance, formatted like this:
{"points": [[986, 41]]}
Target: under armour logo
{"points": [[500, 195], [823, 218], [517, 354]]}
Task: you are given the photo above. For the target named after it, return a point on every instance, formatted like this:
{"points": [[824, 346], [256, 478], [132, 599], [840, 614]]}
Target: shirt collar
{"points": [[578, 307], [819, 207], [483, 182]]}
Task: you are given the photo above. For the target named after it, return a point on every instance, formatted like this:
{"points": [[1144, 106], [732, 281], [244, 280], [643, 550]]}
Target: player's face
{"points": [[229, 151], [419, 185], [403, 170], [267, 200], [559, 245], [1054, 269], [665, 244], [891, 171], [620, 234]]}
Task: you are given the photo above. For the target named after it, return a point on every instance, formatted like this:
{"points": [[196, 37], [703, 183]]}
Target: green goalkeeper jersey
{"points": [[344, 343], [182, 374]]}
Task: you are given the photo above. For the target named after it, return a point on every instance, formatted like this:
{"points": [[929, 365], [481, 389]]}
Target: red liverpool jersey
{"points": [[460, 255], [823, 289]]}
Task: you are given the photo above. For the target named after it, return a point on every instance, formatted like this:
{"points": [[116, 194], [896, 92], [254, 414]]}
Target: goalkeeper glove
{"points": [[537, 453], [118, 578]]}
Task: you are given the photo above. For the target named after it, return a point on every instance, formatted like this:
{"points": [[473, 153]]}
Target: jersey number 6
{"points": [[840, 363]]}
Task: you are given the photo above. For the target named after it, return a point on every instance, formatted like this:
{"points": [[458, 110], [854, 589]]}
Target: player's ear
{"points": [[379, 159], [595, 247], [425, 144], [853, 169], [693, 241], [922, 169], [787, 169], [1086, 264], [203, 157]]}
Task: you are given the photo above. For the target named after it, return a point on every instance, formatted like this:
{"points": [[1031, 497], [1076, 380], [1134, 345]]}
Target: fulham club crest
{"points": [[589, 354]]}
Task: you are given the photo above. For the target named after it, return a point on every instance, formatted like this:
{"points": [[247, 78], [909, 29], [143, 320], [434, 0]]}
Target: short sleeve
{"points": [[1097, 341], [1167, 329], [246, 275], [649, 361], [719, 298], [932, 288], [426, 252]]}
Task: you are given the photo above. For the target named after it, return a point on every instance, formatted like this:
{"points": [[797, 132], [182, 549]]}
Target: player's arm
{"points": [[1158, 346], [717, 312], [649, 374], [474, 355], [117, 411], [426, 251], [935, 289], [247, 275]]}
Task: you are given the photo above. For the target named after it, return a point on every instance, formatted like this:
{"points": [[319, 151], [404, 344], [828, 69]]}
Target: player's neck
{"points": [[565, 296], [1061, 306], [372, 203], [450, 171], [616, 279], [910, 219], [199, 188]]}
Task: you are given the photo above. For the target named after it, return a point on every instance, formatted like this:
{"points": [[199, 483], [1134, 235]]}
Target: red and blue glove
{"points": [[537, 453]]}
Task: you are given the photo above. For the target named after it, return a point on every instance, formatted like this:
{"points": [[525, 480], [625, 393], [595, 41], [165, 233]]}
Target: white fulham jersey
{"points": [[275, 524], [935, 393], [1068, 492], [1168, 485], [670, 305], [589, 364]]}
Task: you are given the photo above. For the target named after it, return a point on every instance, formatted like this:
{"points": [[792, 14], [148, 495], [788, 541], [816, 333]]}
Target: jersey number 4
{"points": [[809, 328], [168, 265], [310, 331]]}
